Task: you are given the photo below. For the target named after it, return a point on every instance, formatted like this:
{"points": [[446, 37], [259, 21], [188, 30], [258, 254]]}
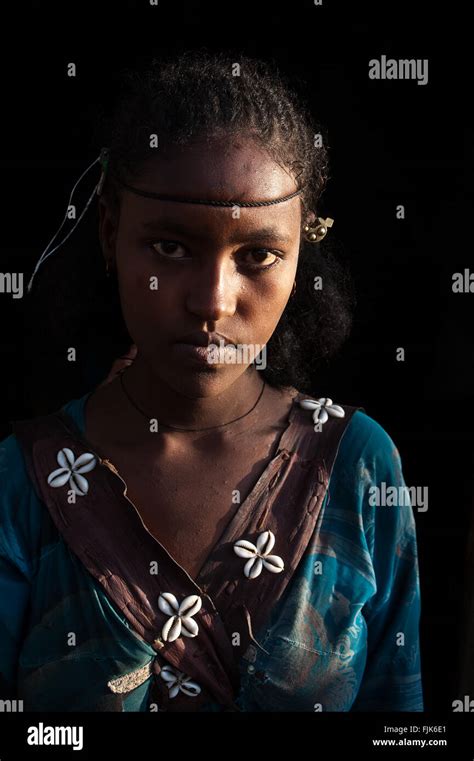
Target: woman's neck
{"points": [[170, 406], [111, 421]]}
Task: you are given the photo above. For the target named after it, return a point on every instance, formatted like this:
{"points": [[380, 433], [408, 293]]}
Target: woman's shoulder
{"points": [[361, 437], [367, 437], [367, 458], [13, 471], [21, 511], [19, 507]]}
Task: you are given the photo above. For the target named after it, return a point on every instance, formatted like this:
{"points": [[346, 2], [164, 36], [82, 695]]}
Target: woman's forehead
{"points": [[278, 223], [228, 170]]}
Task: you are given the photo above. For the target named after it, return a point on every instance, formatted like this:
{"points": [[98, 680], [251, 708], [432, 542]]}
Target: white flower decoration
{"points": [[71, 470], [180, 621], [259, 555], [322, 408], [177, 681]]}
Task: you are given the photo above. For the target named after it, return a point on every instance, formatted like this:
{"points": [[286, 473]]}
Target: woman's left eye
{"points": [[264, 258]]}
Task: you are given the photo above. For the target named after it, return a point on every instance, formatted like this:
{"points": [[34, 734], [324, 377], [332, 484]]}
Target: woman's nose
{"points": [[212, 293]]}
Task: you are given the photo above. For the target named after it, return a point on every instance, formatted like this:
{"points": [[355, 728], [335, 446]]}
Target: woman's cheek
{"points": [[268, 302], [136, 297]]}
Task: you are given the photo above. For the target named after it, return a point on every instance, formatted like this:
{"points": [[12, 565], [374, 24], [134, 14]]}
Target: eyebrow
{"points": [[174, 226]]}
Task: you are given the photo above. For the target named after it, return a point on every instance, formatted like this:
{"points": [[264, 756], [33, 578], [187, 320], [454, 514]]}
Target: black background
{"points": [[392, 142]]}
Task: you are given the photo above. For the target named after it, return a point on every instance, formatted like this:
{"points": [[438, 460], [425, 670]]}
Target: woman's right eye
{"points": [[169, 248]]}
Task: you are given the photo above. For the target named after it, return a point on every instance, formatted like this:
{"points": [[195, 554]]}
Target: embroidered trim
{"points": [[131, 681]]}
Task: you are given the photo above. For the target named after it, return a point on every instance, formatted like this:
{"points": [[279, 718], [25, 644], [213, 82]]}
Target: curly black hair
{"points": [[197, 95]]}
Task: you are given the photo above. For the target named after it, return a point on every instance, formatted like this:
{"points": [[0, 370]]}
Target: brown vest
{"points": [[106, 533]]}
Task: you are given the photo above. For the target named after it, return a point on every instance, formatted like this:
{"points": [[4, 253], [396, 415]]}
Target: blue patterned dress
{"points": [[344, 637]]}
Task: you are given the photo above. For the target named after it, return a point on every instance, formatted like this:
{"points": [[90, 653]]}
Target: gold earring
{"points": [[319, 231]]}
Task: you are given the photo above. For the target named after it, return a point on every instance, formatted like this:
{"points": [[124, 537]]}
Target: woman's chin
{"points": [[200, 382], [196, 382]]}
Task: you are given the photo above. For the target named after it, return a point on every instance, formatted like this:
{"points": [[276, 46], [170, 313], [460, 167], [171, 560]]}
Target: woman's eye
{"points": [[170, 249], [255, 259], [261, 258]]}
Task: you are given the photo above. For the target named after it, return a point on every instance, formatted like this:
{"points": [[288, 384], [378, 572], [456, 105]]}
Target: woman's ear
{"points": [[309, 218]]}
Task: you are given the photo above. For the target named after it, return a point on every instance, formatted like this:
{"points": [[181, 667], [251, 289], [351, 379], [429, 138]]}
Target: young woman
{"points": [[200, 533]]}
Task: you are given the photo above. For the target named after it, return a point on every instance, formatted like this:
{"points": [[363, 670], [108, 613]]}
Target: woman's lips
{"points": [[192, 353], [203, 338]]}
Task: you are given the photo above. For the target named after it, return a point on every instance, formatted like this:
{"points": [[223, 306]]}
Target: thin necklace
{"points": [[175, 428]]}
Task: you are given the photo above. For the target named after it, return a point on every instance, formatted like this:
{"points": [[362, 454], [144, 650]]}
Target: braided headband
{"points": [[312, 234], [166, 197], [104, 160]]}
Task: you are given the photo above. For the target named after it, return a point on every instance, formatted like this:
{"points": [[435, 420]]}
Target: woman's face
{"points": [[186, 268]]}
